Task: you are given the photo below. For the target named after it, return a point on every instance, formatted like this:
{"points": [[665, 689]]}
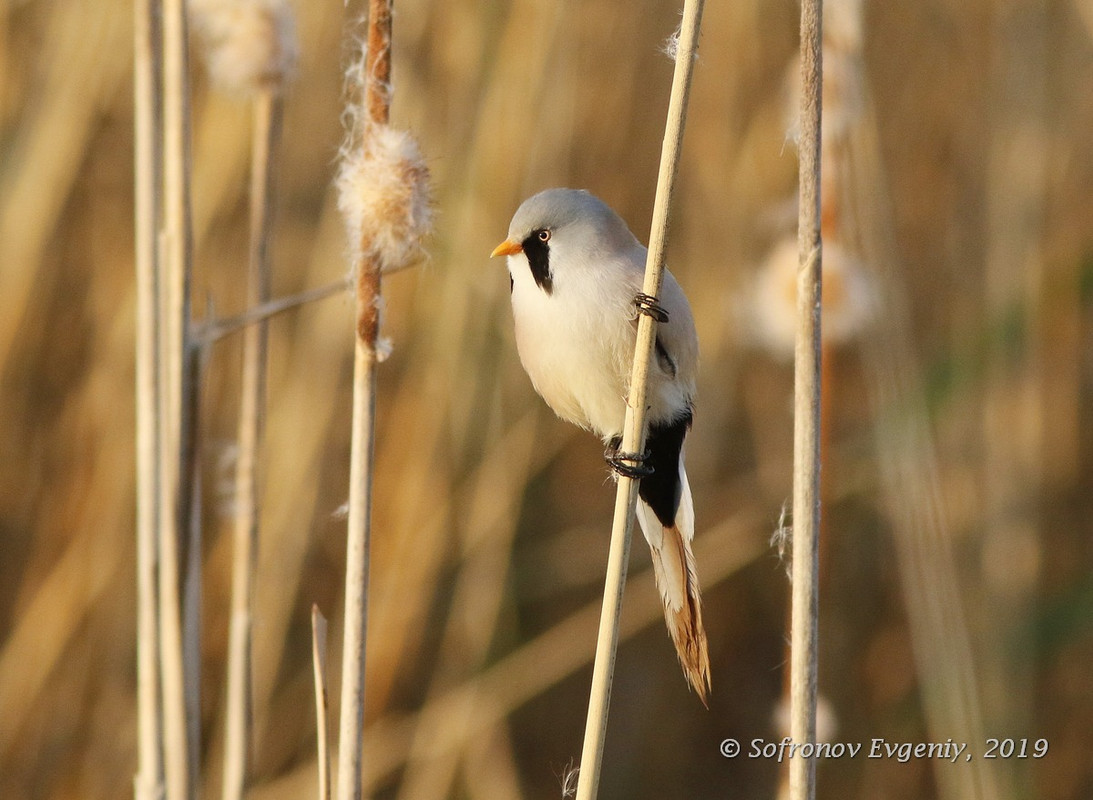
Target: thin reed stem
{"points": [[192, 580], [238, 739], [148, 203], [807, 404], [376, 81], [318, 663], [633, 440], [177, 403], [351, 727]]}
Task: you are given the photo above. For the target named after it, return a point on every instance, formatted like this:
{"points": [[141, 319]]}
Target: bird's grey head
{"points": [[562, 229]]}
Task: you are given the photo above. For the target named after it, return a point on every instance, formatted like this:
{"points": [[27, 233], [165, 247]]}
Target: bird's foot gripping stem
{"points": [[650, 306], [632, 465]]}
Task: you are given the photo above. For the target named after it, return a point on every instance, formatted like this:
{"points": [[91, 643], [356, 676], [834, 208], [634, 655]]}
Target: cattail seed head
{"points": [[382, 182], [383, 194], [248, 44]]}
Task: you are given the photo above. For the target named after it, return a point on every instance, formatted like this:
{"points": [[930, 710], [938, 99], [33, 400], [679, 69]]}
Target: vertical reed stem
{"points": [[318, 664], [376, 82], [177, 401], [238, 739], [148, 159], [351, 727], [633, 440], [807, 403]]}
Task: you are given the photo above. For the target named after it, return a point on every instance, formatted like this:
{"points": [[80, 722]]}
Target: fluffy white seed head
{"points": [[247, 44], [849, 301], [383, 194]]}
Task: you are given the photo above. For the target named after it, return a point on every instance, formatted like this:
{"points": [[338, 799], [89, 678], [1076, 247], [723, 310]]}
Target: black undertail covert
{"points": [[662, 490]]}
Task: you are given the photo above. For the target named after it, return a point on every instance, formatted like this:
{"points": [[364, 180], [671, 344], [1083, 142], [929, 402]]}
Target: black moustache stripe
{"points": [[538, 253]]}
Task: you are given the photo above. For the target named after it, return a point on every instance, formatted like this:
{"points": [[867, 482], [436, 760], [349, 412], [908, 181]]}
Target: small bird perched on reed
{"points": [[576, 273]]}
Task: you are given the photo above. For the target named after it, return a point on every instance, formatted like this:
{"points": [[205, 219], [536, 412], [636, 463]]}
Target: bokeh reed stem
{"points": [[148, 204], [239, 738], [176, 431], [318, 666], [633, 440]]}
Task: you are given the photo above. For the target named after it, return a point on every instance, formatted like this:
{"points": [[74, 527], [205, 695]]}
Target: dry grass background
{"points": [[491, 517]]}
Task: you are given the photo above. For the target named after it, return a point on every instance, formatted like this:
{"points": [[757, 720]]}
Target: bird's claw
{"points": [[650, 306], [631, 465]]}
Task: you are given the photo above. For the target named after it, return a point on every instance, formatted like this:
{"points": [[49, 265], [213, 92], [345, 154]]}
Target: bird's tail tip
{"points": [[689, 637], [674, 569]]}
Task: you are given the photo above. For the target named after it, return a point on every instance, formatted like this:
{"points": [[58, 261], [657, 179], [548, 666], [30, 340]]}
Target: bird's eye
{"points": [[544, 236]]}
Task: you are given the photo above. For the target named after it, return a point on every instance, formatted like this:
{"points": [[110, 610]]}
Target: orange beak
{"points": [[507, 248]]}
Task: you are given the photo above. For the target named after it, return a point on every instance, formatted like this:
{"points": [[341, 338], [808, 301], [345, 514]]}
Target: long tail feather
{"points": [[677, 580]]}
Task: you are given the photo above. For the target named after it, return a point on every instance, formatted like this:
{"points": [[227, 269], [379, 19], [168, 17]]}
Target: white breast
{"points": [[576, 344]]}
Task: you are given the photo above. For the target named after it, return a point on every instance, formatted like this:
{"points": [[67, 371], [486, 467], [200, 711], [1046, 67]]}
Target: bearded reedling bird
{"points": [[576, 274]]}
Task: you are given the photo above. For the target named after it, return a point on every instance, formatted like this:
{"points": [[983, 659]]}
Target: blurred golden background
{"points": [[957, 590]]}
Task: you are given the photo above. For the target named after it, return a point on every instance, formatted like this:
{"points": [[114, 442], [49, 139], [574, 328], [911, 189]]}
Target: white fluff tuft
{"points": [[670, 47], [383, 194], [248, 44], [384, 348]]}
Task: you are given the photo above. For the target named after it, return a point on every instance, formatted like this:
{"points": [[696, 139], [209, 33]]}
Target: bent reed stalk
{"points": [[633, 440]]}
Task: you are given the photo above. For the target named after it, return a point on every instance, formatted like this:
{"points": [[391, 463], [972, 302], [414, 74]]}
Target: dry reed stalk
{"points": [[175, 414], [383, 192], [318, 664], [633, 439], [239, 739], [148, 155], [249, 49], [806, 416]]}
